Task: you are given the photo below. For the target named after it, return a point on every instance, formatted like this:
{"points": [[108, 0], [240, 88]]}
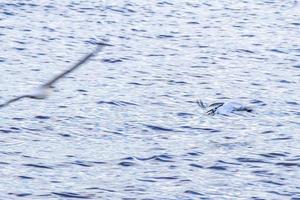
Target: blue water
{"points": [[126, 125]]}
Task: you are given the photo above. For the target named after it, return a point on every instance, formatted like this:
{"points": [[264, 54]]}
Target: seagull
{"points": [[223, 108], [42, 91]]}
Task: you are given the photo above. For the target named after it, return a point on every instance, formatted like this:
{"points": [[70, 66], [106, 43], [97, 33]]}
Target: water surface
{"points": [[126, 125]]}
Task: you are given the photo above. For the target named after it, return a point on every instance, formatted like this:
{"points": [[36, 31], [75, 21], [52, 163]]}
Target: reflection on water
{"points": [[126, 125]]}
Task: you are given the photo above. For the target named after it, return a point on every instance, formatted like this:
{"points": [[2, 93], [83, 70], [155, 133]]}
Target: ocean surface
{"points": [[126, 125]]}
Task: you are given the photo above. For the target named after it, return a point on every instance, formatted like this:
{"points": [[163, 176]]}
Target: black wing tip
{"points": [[201, 104]]}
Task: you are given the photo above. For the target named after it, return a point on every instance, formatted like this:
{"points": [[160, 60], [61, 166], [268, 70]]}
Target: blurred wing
{"points": [[14, 100], [78, 64], [55, 79]]}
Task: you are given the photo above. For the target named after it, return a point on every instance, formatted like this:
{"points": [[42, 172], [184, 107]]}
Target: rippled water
{"points": [[126, 125]]}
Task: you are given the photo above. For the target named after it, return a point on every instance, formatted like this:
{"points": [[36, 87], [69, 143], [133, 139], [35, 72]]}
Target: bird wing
{"points": [[14, 100], [78, 64], [55, 79], [201, 104]]}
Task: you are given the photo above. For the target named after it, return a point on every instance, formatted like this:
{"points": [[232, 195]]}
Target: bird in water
{"points": [[223, 108], [43, 91]]}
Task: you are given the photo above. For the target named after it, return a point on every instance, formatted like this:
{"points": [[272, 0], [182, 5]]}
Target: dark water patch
{"points": [[26, 156], [278, 51], [245, 51], [184, 114], [65, 135], [272, 182], [284, 81], [164, 36], [217, 167], [146, 180], [203, 58], [257, 198], [160, 158], [251, 160], [193, 23], [120, 10], [72, 195], [229, 138], [267, 132], [145, 159], [98, 162], [41, 166], [25, 177], [164, 158], [297, 66], [174, 82], [140, 84], [288, 164], [3, 163], [159, 128], [263, 173], [5, 131], [297, 158], [35, 70], [126, 164], [292, 103], [256, 84], [26, 30], [117, 103], [193, 154], [29, 4], [19, 48], [282, 138], [165, 3], [42, 117], [297, 113], [48, 29], [18, 118], [193, 192], [21, 194], [225, 162], [296, 23], [156, 55], [101, 189], [15, 129], [286, 194], [203, 46], [139, 30], [165, 177], [114, 132], [111, 60], [8, 13], [247, 35], [82, 91], [81, 163], [211, 130], [259, 102], [196, 165], [274, 155], [11, 153]]}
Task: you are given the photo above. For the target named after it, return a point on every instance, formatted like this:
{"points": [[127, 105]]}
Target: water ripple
{"points": [[126, 125]]}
